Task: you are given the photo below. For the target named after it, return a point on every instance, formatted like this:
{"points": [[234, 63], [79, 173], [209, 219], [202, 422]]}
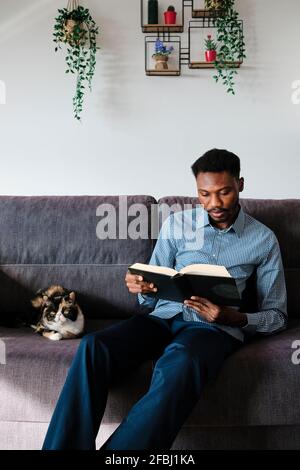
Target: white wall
{"points": [[141, 134]]}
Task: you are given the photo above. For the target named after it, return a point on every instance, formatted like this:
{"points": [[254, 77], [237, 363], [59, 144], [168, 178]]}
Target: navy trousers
{"points": [[185, 355]]}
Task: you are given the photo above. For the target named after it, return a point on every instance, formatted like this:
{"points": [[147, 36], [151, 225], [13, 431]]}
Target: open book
{"points": [[204, 280]]}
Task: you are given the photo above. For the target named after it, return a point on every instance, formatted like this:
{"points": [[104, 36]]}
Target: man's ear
{"points": [[241, 185]]}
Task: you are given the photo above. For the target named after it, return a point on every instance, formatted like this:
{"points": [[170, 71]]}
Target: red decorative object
{"points": [[170, 17], [210, 56]]}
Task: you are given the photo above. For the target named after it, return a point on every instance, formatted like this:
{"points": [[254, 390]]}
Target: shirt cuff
{"points": [[144, 298], [252, 323], [141, 299]]}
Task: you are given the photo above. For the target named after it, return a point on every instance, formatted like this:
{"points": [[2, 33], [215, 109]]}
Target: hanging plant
{"points": [[76, 28], [231, 41]]}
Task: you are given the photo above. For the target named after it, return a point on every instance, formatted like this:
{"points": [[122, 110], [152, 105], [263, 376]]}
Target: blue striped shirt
{"points": [[245, 246]]}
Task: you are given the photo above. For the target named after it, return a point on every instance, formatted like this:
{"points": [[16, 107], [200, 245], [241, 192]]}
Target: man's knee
{"points": [[182, 354], [88, 339], [91, 342]]}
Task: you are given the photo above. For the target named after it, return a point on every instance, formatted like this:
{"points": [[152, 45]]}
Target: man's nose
{"points": [[215, 202]]}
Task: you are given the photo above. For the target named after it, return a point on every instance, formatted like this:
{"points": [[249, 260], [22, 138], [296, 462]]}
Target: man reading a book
{"points": [[188, 341]]}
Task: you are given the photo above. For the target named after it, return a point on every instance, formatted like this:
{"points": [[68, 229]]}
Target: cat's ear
{"points": [[37, 302], [72, 296]]}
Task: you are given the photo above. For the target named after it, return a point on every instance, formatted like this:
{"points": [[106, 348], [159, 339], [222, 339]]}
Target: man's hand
{"points": [[136, 284], [215, 313]]}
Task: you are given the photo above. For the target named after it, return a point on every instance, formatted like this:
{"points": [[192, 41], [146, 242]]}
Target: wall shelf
{"points": [[210, 65], [203, 26], [205, 21], [172, 67], [162, 28], [161, 73], [207, 13]]}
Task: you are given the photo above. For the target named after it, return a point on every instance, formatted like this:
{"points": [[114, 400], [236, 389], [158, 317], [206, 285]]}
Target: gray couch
{"points": [[253, 404]]}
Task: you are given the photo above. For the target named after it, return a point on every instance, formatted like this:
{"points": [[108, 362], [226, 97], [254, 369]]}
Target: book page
{"points": [[154, 269], [206, 270]]}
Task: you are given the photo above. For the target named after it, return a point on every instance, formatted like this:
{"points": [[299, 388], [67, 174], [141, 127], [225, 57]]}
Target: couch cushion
{"points": [[35, 371], [52, 239], [281, 216], [257, 386]]}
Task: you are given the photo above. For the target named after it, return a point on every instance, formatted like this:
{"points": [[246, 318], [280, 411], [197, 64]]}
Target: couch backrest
{"points": [[53, 239], [283, 217], [49, 239]]}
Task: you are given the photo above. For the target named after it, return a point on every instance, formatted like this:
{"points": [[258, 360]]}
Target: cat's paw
{"points": [[52, 335]]}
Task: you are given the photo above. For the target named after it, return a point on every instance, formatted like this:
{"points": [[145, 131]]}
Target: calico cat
{"points": [[60, 317]]}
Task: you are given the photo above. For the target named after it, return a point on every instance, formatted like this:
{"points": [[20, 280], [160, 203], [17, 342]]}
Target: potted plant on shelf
{"points": [[213, 4], [211, 49], [75, 27], [161, 55], [170, 15], [230, 39]]}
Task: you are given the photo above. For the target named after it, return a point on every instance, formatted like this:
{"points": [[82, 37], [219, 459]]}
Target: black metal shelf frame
{"points": [[205, 19], [165, 37], [148, 28], [207, 23]]}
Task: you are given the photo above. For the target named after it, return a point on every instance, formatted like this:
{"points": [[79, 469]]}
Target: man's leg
{"points": [[101, 356], [194, 355]]}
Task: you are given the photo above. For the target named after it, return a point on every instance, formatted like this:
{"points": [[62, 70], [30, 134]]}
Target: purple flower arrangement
{"points": [[161, 49]]}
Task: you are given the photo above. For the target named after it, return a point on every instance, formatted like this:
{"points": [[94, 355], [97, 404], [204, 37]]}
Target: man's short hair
{"points": [[217, 161]]}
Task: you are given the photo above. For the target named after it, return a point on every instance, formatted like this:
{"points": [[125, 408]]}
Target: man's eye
{"points": [[203, 195], [224, 193]]}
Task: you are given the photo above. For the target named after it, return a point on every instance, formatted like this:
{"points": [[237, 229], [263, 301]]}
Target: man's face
{"points": [[219, 194]]}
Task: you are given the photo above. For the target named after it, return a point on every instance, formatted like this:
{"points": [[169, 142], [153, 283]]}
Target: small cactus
{"points": [[171, 8]]}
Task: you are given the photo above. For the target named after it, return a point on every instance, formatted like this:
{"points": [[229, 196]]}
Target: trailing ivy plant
{"points": [[231, 39], [75, 27]]}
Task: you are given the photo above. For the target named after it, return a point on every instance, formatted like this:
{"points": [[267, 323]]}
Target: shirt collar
{"points": [[237, 226]]}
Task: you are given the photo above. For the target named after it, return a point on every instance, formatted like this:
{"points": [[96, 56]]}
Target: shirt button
{"points": [[214, 256]]}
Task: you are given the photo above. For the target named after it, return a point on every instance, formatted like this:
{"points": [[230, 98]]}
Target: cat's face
{"points": [[49, 309], [59, 308], [68, 308]]}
